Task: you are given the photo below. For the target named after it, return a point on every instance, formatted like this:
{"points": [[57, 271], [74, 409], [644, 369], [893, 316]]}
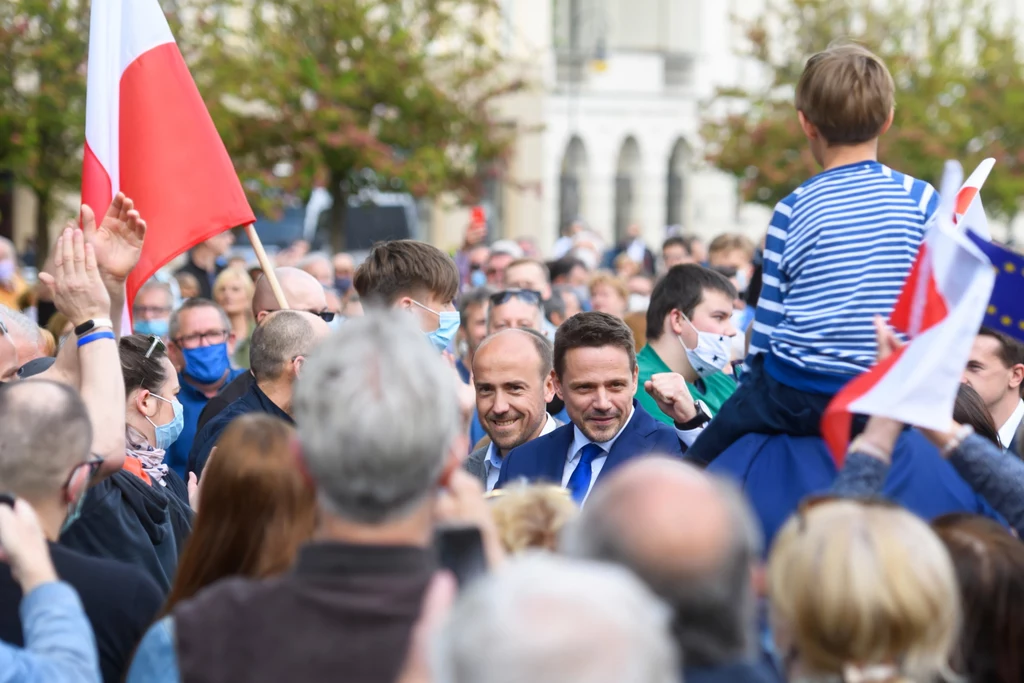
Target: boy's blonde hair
{"points": [[856, 584], [847, 93]]}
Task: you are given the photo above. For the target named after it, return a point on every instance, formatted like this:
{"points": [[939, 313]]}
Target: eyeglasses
{"points": [[193, 341], [529, 296], [93, 464], [143, 311], [156, 344]]}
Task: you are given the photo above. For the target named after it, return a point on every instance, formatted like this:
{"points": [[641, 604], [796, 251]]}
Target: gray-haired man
{"points": [[380, 432]]}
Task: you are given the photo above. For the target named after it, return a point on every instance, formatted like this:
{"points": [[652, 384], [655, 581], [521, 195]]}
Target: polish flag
{"points": [[940, 309], [148, 134], [968, 201]]}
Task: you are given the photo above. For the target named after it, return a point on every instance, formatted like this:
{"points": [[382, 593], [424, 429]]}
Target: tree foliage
{"points": [[402, 88], [43, 47], [959, 93]]}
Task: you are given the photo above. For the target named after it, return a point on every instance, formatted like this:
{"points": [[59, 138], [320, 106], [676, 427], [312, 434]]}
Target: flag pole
{"points": [[266, 265]]}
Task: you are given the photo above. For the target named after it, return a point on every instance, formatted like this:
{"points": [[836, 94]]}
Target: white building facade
{"points": [[610, 131]]}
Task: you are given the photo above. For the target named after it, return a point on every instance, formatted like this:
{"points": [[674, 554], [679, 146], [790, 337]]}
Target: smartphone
{"points": [[460, 549]]}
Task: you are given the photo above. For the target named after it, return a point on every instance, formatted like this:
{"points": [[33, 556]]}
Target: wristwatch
{"points": [[90, 325], [702, 417]]}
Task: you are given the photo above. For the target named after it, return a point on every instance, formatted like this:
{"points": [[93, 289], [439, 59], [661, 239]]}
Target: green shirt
{"points": [[713, 390]]}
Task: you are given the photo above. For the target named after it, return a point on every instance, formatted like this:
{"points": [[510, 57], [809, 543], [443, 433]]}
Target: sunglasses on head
{"points": [[530, 296], [156, 345]]}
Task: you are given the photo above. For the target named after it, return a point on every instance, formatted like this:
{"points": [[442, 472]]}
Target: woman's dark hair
{"points": [[255, 508], [138, 370], [971, 410], [989, 565]]}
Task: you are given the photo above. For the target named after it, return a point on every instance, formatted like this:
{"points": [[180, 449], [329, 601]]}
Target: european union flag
{"points": [[1005, 311]]}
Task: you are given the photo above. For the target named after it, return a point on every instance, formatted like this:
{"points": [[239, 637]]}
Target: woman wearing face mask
{"points": [[140, 515]]}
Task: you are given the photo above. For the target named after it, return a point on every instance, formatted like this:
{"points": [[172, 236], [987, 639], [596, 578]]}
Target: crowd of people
{"points": [[487, 466]]}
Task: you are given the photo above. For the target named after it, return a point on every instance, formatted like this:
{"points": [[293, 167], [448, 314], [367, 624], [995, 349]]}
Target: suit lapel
{"points": [[552, 462], [633, 439], [475, 464]]}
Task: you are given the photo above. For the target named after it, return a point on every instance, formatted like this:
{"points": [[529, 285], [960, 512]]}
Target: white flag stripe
{"points": [[921, 387], [111, 50]]}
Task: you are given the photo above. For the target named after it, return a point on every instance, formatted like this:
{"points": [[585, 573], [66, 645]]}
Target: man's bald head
{"points": [[691, 537], [45, 433], [301, 290], [513, 341]]}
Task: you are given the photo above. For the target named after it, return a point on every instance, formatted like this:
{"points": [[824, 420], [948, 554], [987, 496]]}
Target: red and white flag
{"points": [[969, 210], [940, 309], [148, 134]]}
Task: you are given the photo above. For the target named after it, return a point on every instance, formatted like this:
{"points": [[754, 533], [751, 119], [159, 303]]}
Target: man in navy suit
{"points": [[596, 375]]}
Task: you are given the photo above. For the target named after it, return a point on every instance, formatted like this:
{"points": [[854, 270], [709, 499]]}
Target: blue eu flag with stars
{"points": [[1005, 311]]}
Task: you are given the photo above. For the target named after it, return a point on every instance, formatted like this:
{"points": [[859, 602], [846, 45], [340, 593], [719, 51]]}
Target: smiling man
{"points": [[513, 380], [996, 371], [688, 333], [596, 375]]}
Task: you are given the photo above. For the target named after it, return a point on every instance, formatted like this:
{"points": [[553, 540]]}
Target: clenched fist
{"points": [[669, 391]]}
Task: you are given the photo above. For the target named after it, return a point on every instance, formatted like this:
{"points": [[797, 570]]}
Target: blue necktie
{"points": [[579, 480]]}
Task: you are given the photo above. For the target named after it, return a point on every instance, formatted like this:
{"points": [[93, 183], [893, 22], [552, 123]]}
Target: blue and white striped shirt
{"points": [[838, 251]]}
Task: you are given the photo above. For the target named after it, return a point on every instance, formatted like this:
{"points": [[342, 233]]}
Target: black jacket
{"points": [[124, 518], [120, 602]]}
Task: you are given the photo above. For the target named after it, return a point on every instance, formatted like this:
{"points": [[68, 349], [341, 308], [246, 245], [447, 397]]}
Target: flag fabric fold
{"points": [[148, 134], [940, 309]]}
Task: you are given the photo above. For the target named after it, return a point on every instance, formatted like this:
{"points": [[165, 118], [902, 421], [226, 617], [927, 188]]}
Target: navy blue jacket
{"points": [[252, 401], [543, 459]]}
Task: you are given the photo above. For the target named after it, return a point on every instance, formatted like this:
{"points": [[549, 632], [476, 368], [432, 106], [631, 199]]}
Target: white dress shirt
{"points": [[579, 441], [1009, 428], [492, 461]]}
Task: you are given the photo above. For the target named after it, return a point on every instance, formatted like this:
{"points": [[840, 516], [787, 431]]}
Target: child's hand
{"points": [[888, 343]]}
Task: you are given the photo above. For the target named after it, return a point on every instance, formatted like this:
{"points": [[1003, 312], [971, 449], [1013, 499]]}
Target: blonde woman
{"points": [[531, 516], [862, 592], [233, 290]]}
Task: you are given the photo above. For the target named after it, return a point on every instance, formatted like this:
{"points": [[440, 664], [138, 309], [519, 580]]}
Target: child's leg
{"points": [[761, 405]]}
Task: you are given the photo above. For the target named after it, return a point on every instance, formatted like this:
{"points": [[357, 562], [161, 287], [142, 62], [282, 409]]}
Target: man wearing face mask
{"points": [[689, 331], [416, 277], [199, 335], [151, 310], [279, 348], [422, 280]]}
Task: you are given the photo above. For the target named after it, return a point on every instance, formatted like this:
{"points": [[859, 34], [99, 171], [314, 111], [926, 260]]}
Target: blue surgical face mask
{"points": [[6, 270], [448, 327], [167, 434], [477, 278], [157, 328], [342, 284], [207, 364]]}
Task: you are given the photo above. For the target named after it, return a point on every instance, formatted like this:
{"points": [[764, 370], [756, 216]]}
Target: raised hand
{"points": [[669, 391], [117, 240], [23, 546], [78, 289]]}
